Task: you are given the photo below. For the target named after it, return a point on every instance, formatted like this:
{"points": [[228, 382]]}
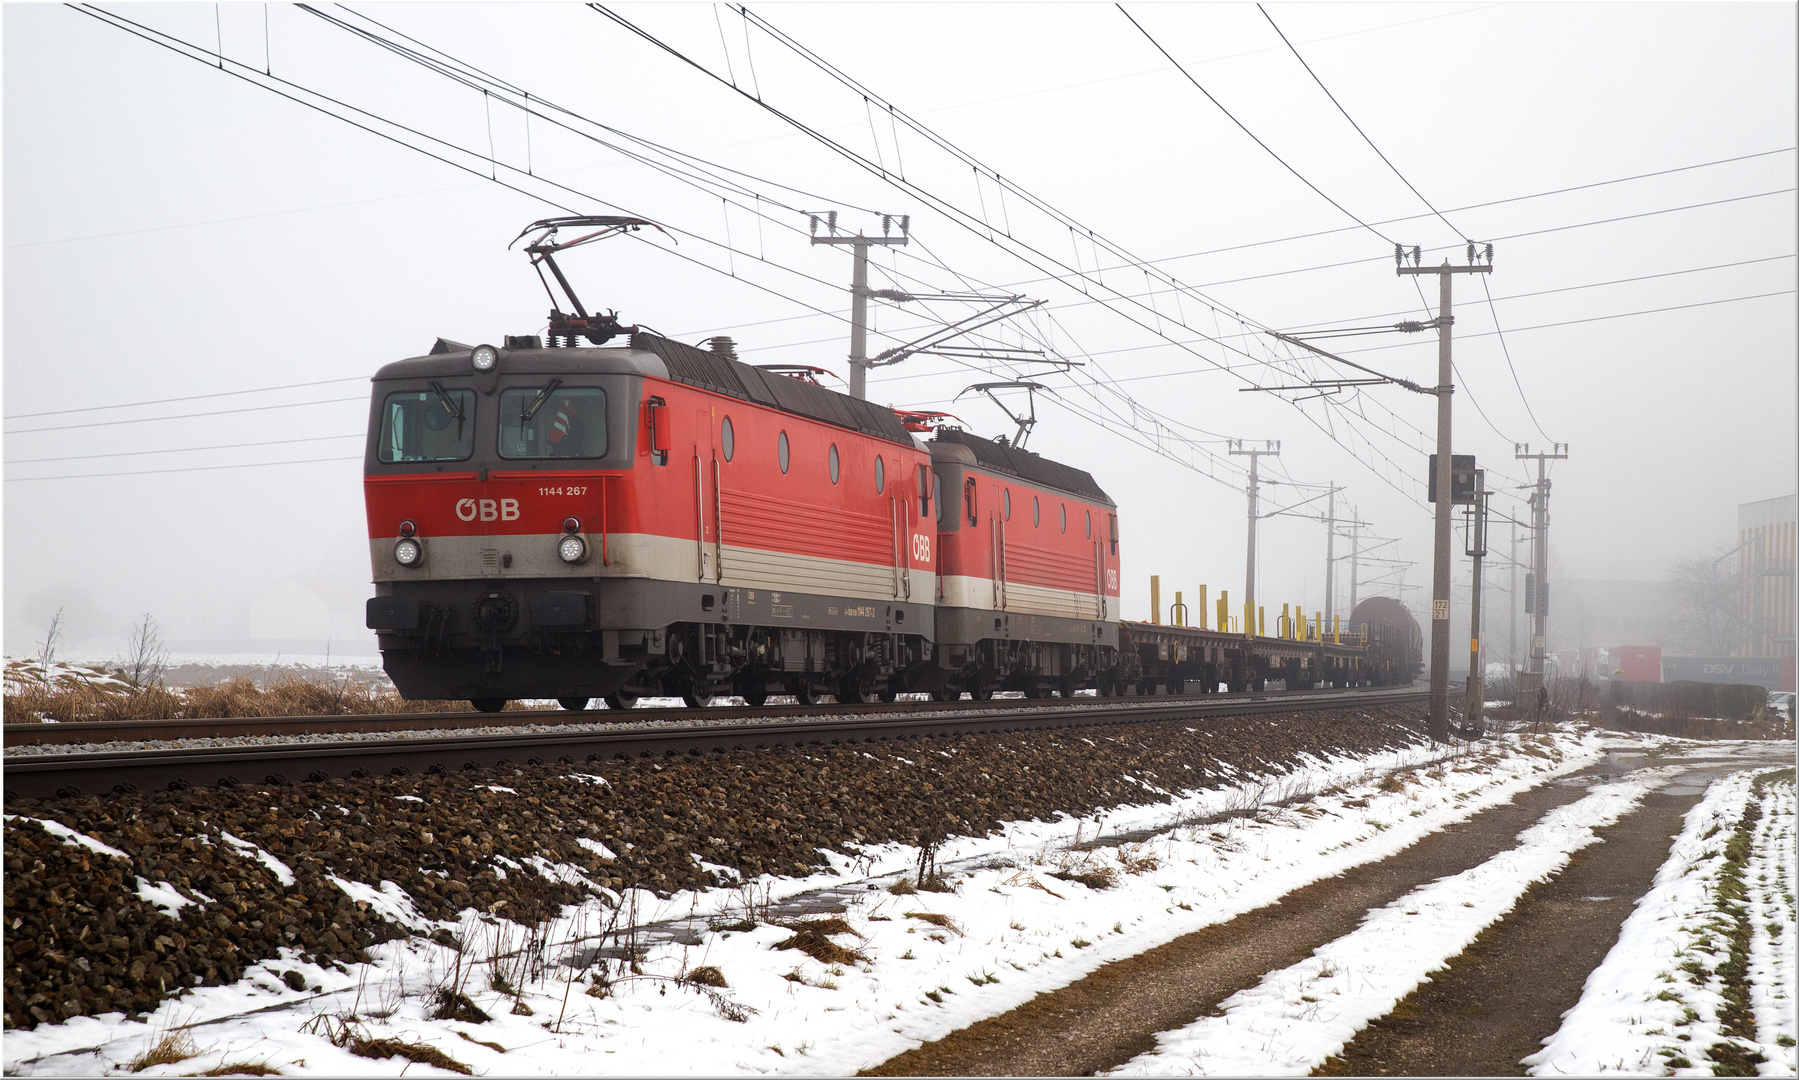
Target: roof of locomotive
{"points": [[649, 354], [1025, 465]]}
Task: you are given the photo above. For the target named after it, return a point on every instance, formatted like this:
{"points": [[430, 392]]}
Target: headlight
{"points": [[571, 549], [484, 357], [408, 552]]}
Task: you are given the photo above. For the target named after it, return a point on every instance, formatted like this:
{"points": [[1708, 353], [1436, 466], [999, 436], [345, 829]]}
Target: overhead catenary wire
{"points": [[1242, 127], [193, 468], [182, 416], [186, 449], [1358, 128]]}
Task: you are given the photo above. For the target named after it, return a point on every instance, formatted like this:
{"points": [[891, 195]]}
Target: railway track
{"points": [[694, 732]]}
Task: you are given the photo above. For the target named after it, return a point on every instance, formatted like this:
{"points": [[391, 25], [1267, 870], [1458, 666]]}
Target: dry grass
{"points": [[173, 1047], [813, 938], [935, 920], [1103, 878], [242, 1068], [85, 693], [708, 976], [380, 1049]]}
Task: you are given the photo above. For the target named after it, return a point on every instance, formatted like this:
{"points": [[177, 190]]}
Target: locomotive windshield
{"points": [[553, 422], [428, 425]]}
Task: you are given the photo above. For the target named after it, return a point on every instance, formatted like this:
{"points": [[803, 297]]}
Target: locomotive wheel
{"points": [[851, 691], [488, 704], [621, 699], [573, 704]]}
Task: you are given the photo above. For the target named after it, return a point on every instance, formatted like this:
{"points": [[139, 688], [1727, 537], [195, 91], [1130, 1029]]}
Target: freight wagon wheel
{"points": [[621, 699], [886, 693], [981, 693], [803, 694], [573, 704], [488, 704], [696, 701], [1033, 690], [755, 697], [851, 691], [948, 693]]}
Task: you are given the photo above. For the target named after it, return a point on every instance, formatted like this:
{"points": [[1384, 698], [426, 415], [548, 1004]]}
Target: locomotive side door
{"points": [[705, 497]]}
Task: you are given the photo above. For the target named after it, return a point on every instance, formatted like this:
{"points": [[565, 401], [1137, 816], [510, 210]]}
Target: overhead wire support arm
{"points": [[945, 334], [1379, 377]]}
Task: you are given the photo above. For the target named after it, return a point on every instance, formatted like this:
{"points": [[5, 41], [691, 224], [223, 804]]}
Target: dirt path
{"points": [[1114, 1014], [1501, 998]]}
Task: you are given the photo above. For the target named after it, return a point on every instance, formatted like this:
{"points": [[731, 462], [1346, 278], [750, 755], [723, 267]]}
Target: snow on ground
{"points": [[1653, 1004], [929, 963], [1297, 1017]]}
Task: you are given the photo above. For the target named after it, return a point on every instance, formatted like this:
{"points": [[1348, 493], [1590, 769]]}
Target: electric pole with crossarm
{"points": [[1445, 388], [859, 292]]}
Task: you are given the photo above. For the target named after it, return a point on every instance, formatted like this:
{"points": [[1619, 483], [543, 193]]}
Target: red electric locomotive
{"points": [[1028, 571], [580, 522]]}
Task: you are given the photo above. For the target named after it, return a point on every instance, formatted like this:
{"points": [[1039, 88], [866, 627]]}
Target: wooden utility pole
{"points": [[1445, 389]]}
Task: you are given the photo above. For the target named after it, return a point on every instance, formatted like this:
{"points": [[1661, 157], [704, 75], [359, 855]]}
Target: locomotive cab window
{"points": [[969, 502], [937, 496], [925, 492], [553, 421], [427, 425]]}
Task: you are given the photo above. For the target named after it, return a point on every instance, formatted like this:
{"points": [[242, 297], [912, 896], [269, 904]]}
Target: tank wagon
{"points": [[1389, 633]]}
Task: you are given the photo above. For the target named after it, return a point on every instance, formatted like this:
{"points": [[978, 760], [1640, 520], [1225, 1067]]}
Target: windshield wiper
{"points": [[450, 405], [542, 396]]}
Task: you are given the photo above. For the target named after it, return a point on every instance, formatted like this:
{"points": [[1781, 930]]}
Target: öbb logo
{"points": [[487, 509]]}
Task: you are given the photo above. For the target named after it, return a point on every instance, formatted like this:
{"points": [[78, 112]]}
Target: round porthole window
{"points": [[880, 475], [1036, 512], [781, 451], [834, 465], [1007, 503], [1089, 524], [1064, 517], [727, 438]]}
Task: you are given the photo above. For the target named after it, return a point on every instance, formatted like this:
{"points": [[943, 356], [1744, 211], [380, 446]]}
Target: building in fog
{"points": [[1586, 612], [1766, 582]]}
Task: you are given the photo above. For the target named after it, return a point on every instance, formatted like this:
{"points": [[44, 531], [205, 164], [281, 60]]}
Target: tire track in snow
{"points": [[1297, 1017]]}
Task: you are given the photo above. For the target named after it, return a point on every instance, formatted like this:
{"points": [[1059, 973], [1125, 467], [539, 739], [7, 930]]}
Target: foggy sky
{"points": [[171, 230]]}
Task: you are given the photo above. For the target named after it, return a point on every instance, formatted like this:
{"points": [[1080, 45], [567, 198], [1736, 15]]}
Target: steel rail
{"points": [[74, 774], [100, 731]]}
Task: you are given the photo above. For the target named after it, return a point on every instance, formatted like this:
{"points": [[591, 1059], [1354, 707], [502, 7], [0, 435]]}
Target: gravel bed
{"points": [[112, 905]]}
